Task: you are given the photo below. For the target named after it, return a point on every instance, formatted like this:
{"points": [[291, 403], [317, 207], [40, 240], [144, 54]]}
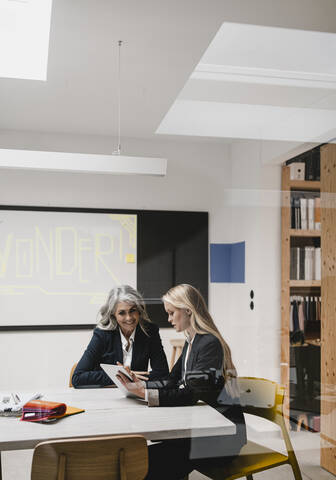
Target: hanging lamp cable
{"points": [[118, 151]]}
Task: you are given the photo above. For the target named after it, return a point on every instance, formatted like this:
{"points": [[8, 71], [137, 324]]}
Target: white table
{"points": [[108, 412]]}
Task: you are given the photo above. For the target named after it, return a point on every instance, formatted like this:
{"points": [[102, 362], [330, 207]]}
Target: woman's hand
{"points": [[135, 386], [141, 375]]}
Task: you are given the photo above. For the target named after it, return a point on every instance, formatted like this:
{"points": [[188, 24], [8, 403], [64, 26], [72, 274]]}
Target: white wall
{"points": [[256, 219], [201, 176]]}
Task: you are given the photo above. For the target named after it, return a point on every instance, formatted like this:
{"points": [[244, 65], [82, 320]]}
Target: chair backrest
{"points": [[264, 398], [177, 347], [261, 397], [73, 368], [103, 458]]}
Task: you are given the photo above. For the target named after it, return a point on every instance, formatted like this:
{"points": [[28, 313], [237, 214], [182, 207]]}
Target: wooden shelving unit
{"points": [[328, 308], [304, 233], [291, 287], [305, 283], [326, 288], [306, 185]]}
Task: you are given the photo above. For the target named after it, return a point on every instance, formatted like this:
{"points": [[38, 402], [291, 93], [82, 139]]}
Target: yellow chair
{"points": [[122, 457], [73, 368], [262, 398]]}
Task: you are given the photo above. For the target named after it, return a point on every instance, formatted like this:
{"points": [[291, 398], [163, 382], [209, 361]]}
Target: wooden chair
{"points": [[103, 458], [302, 422], [177, 344], [73, 368], [262, 398]]}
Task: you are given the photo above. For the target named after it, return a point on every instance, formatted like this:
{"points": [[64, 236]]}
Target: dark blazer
{"points": [[206, 352], [105, 347]]}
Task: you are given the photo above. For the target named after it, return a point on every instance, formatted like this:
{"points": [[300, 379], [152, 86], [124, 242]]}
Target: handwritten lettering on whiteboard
{"points": [[63, 252], [61, 246]]}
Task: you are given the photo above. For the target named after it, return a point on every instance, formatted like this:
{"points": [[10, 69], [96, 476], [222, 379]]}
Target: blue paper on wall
{"points": [[227, 262]]}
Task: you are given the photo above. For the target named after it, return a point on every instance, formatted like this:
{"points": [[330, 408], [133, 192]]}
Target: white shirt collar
{"points": [[124, 341], [190, 339]]}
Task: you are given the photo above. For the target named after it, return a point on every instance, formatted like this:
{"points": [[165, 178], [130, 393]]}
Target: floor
{"points": [[16, 465], [307, 448]]}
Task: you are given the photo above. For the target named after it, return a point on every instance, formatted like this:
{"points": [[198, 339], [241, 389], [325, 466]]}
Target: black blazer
{"points": [[206, 352], [105, 347]]}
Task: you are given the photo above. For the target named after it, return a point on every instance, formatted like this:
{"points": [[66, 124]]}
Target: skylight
{"points": [[24, 38], [259, 82]]}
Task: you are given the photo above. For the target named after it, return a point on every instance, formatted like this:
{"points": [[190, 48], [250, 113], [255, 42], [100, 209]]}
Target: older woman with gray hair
{"points": [[124, 334]]}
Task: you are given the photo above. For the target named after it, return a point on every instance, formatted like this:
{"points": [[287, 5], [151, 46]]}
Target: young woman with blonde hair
{"points": [[204, 349], [185, 297]]}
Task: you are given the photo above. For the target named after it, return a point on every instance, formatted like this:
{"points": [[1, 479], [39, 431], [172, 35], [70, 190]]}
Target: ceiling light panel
{"points": [[24, 38], [82, 163]]}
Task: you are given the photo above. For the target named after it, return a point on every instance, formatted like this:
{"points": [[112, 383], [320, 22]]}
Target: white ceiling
{"points": [[263, 83], [164, 42]]}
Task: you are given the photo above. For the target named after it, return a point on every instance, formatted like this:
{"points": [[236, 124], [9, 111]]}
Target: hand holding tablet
{"points": [[125, 371], [125, 380], [112, 371], [130, 373], [141, 375]]}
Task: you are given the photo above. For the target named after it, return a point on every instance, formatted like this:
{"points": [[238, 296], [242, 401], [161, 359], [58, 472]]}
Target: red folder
{"points": [[44, 411], [39, 410]]}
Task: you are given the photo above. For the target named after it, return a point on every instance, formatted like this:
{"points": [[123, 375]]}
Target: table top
{"points": [[108, 412]]}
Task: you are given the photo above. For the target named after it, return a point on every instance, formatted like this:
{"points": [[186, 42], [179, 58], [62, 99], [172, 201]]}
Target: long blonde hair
{"points": [[187, 297]]}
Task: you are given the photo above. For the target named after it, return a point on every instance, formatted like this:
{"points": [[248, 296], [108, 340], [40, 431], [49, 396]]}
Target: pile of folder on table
{"points": [[31, 409]]}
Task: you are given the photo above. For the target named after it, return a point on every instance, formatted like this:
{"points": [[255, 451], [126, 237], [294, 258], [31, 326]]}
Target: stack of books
{"points": [[305, 212], [305, 263]]}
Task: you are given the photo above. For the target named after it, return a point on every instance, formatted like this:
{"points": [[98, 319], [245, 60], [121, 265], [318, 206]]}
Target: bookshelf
{"points": [[289, 286], [323, 338]]}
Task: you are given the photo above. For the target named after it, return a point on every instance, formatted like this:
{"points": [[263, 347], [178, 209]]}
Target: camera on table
{"points": [[205, 380]]}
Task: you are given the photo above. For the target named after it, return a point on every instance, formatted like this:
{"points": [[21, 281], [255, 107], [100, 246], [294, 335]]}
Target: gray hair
{"points": [[123, 293]]}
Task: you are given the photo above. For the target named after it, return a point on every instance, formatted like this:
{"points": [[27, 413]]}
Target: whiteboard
{"points": [[56, 268]]}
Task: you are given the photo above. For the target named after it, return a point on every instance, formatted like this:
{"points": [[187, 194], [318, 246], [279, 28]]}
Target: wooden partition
{"points": [[326, 288], [285, 288], [328, 319]]}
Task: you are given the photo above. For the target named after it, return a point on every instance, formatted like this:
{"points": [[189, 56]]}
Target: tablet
{"points": [[112, 371]]}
